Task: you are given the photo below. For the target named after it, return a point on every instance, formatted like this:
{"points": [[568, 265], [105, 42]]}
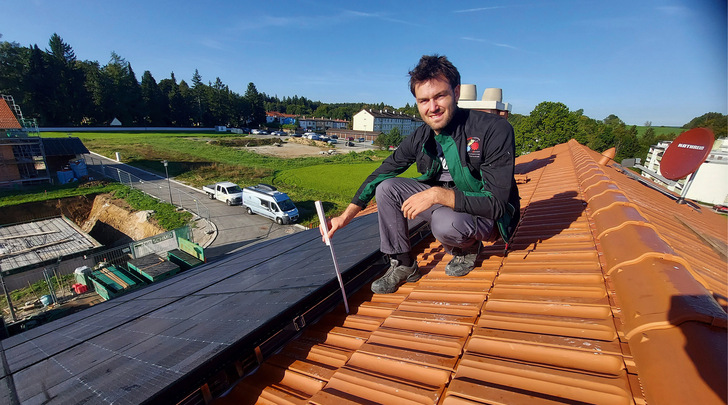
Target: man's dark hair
{"points": [[432, 66]]}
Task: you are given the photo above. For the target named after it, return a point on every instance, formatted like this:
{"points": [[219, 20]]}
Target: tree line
{"points": [[552, 123], [57, 89]]}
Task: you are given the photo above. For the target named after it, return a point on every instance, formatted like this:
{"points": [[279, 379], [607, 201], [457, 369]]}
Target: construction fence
{"points": [[154, 186]]}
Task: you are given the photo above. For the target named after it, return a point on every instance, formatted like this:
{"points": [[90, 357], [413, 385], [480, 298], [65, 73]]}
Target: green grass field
{"points": [[48, 192], [195, 161], [660, 130]]}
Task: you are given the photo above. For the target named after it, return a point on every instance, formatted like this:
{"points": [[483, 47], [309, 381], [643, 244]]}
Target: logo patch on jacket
{"points": [[474, 148]]}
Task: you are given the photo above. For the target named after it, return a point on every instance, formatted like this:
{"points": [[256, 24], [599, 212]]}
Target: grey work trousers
{"points": [[452, 229]]}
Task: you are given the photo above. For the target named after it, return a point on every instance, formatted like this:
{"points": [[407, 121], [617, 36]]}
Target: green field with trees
{"points": [[57, 89], [552, 123], [198, 159]]}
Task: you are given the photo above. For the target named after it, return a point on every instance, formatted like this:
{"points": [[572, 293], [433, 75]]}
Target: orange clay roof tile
{"points": [[7, 118], [608, 295]]}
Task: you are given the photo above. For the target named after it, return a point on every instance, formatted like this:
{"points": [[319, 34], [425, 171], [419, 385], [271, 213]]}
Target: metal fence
{"points": [[154, 186]]}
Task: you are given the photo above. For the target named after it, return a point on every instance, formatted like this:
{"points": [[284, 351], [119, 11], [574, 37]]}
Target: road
{"points": [[229, 227]]}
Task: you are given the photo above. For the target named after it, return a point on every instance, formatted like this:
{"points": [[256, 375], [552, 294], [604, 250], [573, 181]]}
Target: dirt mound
{"points": [[120, 216], [289, 150]]}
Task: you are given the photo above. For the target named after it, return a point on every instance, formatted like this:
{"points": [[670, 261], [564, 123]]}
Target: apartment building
{"points": [[383, 121]]}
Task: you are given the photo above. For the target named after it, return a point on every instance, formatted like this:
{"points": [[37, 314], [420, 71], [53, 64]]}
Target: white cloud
{"points": [[379, 16], [472, 10], [211, 43], [673, 10], [490, 43]]}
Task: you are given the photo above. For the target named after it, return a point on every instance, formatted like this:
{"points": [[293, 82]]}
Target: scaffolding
{"points": [[22, 156]]}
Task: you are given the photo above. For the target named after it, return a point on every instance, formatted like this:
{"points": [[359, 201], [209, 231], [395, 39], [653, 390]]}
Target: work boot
{"points": [[463, 260], [394, 277]]}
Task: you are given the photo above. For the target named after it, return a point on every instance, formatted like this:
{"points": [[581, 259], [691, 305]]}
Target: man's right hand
{"points": [[336, 223]]}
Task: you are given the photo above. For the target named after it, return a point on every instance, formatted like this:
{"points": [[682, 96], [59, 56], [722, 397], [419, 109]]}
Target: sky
{"points": [[662, 61]]}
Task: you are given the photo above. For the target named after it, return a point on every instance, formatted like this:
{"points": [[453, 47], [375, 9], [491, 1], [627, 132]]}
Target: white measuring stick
{"points": [[322, 218]]}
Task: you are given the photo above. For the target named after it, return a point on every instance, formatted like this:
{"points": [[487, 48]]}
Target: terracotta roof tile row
{"points": [[547, 333], [674, 326], [598, 301]]}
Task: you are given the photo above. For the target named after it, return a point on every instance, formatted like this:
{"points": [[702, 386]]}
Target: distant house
{"points": [[280, 118], [321, 124], [384, 121]]}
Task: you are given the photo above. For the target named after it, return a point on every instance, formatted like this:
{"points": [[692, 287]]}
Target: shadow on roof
{"points": [[535, 164], [547, 218], [698, 345]]}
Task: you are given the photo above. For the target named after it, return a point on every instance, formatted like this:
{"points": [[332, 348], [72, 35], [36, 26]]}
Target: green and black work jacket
{"points": [[479, 149]]}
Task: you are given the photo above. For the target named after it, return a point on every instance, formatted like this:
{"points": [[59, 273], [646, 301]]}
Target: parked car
{"points": [[721, 208], [334, 137], [362, 139], [351, 138], [225, 191], [332, 141]]}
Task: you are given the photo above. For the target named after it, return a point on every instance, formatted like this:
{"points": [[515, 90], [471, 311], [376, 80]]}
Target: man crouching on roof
{"points": [[466, 189]]}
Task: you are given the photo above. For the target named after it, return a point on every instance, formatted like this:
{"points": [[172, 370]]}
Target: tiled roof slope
{"points": [[604, 298], [7, 118]]}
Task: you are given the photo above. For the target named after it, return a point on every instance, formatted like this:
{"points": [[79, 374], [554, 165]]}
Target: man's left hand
{"points": [[423, 200]]}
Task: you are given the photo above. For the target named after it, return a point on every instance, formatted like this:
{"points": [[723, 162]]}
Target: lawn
{"points": [[660, 131], [197, 161], [334, 184], [48, 192]]}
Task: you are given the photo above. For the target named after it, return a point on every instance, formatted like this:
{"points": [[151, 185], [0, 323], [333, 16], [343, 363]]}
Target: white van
{"points": [[267, 201]]}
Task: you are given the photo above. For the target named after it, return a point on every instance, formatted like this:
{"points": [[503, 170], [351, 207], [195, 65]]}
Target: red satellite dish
{"points": [[686, 153]]}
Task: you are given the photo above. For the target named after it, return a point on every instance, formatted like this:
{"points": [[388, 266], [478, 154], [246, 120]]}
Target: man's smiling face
{"points": [[436, 102]]}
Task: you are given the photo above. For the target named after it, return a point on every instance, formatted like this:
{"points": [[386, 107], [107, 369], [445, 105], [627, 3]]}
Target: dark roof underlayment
{"points": [[70, 146]]}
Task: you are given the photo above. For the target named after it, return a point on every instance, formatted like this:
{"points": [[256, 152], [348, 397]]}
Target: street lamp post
{"points": [[169, 185]]}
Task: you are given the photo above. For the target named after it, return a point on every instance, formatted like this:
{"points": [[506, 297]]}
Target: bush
{"points": [[393, 138]]}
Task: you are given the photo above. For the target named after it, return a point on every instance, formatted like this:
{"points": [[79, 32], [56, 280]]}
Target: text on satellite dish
{"points": [[688, 146]]}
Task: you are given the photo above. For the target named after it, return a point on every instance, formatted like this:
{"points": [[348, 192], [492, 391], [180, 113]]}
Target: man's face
{"points": [[436, 102]]}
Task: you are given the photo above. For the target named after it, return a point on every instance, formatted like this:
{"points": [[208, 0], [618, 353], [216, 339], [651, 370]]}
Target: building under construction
{"points": [[26, 158]]}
